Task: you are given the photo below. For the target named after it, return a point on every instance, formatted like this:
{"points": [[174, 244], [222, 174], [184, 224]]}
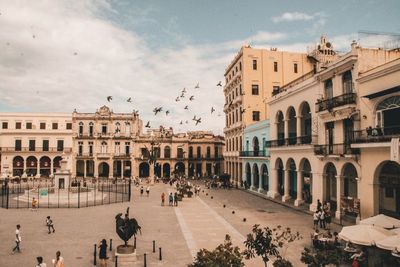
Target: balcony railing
{"points": [[377, 135], [36, 149], [259, 153], [329, 104], [291, 141], [335, 150]]}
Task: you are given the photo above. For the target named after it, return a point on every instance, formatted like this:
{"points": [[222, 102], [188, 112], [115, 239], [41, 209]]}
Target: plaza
{"points": [[197, 222]]}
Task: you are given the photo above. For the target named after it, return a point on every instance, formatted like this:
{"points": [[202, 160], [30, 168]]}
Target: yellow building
{"points": [[250, 80]]}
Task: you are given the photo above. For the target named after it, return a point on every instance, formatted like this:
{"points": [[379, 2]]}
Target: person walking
{"points": [[40, 262], [162, 199], [49, 223], [58, 261], [148, 191], [176, 199], [171, 199], [316, 219], [34, 204], [141, 191], [319, 205], [322, 219], [18, 239], [103, 253]]}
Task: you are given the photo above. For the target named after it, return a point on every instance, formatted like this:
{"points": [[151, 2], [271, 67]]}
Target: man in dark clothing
{"points": [[49, 223]]}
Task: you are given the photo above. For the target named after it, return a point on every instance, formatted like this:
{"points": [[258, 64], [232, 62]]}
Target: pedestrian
{"points": [[148, 191], [176, 199], [58, 261], [49, 223], [34, 204], [162, 199], [322, 219], [141, 191], [103, 253], [328, 219], [316, 219], [319, 205], [40, 262], [18, 239], [171, 199]]}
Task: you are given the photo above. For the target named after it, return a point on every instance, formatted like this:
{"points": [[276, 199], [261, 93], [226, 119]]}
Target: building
{"points": [[103, 144], [250, 79], [319, 145], [255, 156], [32, 143]]}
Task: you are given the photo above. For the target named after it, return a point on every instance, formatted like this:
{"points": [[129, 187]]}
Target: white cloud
{"points": [[293, 16]]}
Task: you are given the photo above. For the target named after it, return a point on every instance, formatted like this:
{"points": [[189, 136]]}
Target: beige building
{"points": [[250, 79], [32, 143], [319, 146], [103, 144]]}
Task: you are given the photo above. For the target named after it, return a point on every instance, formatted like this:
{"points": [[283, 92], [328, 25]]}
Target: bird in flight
{"points": [[181, 123], [177, 99], [156, 110], [191, 98], [75, 53], [198, 121], [135, 112], [167, 112], [129, 100], [212, 110], [184, 90], [182, 95], [109, 98], [194, 118], [186, 107], [186, 122], [147, 125], [33, 36], [197, 86], [219, 83]]}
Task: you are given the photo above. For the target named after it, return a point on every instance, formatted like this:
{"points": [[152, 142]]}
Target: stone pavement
{"points": [[198, 222]]}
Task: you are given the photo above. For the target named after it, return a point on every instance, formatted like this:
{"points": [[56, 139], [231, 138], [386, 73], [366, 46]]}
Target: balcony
{"points": [[338, 101], [254, 154], [376, 135], [84, 155], [291, 141], [335, 150], [122, 155], [103, 155], [35, 149]]}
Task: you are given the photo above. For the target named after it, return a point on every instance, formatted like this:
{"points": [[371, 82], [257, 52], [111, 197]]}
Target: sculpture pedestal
{"points": [[126, 255]]}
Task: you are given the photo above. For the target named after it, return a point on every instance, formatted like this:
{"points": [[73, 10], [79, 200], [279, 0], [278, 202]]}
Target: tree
{"points": [[266, 242], [225, 255], [320, 258]]}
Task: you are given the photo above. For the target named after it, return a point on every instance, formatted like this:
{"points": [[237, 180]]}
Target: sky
{"points": [[61, 55]]}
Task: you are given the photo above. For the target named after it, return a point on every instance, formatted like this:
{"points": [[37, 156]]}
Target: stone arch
{"points": [[144, 170], [305, 123], [18, 166], [256, 177], [307, 180], [104, 170], [292, 125], [350, 177], [166, 170], [248, 174], [292, 172], [280, 176], [180, 168], [264, 177], [31, 166], [330, 174], [387, 191], [280, 127]]}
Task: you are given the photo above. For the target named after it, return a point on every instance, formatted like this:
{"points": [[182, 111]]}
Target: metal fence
{"points": [[78, 194]]}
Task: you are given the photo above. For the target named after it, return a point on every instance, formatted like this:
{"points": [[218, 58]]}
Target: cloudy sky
{"points": [[59, 55]]}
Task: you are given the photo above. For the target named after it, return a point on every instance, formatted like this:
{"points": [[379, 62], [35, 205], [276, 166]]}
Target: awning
{"points": [[383, 92]]}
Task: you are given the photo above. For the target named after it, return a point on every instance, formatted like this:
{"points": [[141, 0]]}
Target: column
{"points": [[286, 128], [273, 187], [203, 167], [122, 169], [84, 168], [51, 168], [25, 164], [240, 173], [260, 179], [133, 169], [286, 195], [187, 164], [298, 129], [299, 200], [252, 187], [96, 169], [339, 189], [151, 171], [38, 168]]}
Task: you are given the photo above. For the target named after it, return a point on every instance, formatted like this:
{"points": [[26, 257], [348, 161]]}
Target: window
{"points": [[18, 143], [216, 152], [167, 152], [80, 148], [54, 125], [198, 152], [91, 129], [42, 126], [236, 69], [347, 83], [80, 128], [276, 66], [237, 91], [18, 125], [104, 129], [45, 145], [208, 152], [328, 89], [28, 125], [240, 65], [4, 125], [127, 148], [117, 148], [31, 145], [90, 148], [240, 89], [254, 64], [69, 126], [60, 145], [179, 153], [256, 115], [295, 68], [254, 89], [275, 90], [190, 152]]}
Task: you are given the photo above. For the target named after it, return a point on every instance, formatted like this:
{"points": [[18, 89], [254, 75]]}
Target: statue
{"points": [[126, 228]]}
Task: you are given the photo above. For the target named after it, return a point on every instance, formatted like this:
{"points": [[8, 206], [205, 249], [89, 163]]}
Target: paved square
{"points": [[198, 222]]}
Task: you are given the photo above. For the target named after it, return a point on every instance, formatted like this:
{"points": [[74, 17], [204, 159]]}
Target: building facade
{"points": [[250, 79], [103, 144]]}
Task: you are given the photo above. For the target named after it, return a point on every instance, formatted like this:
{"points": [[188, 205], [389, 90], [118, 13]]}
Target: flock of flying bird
{"points": [[158, 110]]}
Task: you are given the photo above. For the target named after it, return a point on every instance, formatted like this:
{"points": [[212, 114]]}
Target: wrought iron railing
{"points": [[377, 134], [257, 153], [328, 104], [335, 149]]}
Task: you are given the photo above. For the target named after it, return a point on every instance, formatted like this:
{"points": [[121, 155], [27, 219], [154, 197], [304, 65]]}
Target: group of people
{"points": [[147, 191], [322, 215], [325, 240], [172, 199]]}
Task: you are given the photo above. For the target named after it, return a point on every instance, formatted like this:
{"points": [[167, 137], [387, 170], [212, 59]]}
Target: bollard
{"points": [[145, 260], [154, 246], [95, 255], [160, 255], [116, 261], [134, 243], [110, 244]]}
